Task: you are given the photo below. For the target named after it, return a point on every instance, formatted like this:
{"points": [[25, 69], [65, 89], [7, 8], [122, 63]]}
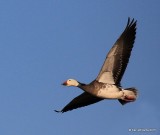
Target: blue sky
{"points": [[45, 42]]}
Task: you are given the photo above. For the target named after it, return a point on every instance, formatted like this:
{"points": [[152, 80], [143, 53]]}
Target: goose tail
{"points": [[130, 95]]}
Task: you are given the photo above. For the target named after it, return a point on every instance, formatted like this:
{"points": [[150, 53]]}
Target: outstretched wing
{"points": [[82, 100], [118, 57]]}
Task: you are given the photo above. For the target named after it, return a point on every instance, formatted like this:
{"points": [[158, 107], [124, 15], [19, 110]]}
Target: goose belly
{"points": [[110, 92]]}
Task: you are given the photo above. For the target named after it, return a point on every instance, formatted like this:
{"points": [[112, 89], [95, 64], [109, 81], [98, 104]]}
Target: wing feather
{"points": [[118, 57], [80, 101]]}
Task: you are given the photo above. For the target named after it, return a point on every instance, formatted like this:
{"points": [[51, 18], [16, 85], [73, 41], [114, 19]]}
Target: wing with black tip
{"points": [[80, 101], [118, 57]]}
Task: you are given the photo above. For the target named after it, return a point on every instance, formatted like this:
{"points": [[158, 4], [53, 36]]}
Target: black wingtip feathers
{"points": [[58, 111]]}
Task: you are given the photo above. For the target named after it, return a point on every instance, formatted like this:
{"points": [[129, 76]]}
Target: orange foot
{"points": [[129, 98]]}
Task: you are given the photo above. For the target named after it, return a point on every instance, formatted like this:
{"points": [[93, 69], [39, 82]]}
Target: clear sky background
{"points": [[45, 42]]}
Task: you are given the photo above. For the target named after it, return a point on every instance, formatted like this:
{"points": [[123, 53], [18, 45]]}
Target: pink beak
{"points": [[65, 83]]}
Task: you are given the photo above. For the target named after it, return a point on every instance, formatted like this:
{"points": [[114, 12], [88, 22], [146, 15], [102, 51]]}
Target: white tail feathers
{"points": [[130, 95]]}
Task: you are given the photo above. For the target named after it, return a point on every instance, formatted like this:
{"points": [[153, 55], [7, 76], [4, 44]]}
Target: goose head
{"points": [[71, 82]]}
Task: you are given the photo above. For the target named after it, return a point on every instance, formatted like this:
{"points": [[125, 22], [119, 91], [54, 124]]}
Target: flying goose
{"points": [[107, 84]]}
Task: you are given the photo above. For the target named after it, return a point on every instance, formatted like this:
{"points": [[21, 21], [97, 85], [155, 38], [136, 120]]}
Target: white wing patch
{"points": [[107, 77]]}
